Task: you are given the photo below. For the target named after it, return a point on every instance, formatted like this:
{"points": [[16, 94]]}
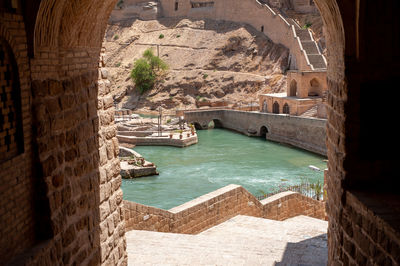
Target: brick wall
{"points": [[216, 207], [17, 219]]}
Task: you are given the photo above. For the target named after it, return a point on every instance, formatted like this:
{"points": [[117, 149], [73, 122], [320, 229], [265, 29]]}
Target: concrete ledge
{"points": [[159, 141], [216, 207]]}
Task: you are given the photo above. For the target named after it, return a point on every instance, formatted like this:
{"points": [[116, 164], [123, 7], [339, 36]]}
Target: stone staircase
{"points": [[315, 58], [313, 53], [312, 112], [242, 240]]}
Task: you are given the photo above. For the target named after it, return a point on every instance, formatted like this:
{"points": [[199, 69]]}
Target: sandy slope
{"points": [[214, 60]]}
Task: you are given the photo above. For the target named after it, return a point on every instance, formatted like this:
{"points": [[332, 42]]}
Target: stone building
{"points": [[60, 185], [306, 91]]}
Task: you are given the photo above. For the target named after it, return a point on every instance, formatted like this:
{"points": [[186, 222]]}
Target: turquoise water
{"points": [[220, 158]]}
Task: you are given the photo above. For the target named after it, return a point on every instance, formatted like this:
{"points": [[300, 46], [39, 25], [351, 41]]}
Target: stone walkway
{"points": [[242, 240]]}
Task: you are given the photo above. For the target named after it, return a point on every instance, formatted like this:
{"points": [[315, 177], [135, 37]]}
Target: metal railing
{"points": [[312, 190]]}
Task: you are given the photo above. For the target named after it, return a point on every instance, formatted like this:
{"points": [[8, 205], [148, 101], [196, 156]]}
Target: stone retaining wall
{"points": [[159, 141], [305, 133], [216, 207]]}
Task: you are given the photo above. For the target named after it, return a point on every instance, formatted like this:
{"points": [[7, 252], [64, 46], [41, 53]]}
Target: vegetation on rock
{"points": [[146, 70]]}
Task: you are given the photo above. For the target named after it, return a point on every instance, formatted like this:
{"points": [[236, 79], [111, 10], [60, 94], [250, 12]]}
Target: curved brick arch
{"points": [[76, 136], [69, 24], [22, 225], [68, 37]]}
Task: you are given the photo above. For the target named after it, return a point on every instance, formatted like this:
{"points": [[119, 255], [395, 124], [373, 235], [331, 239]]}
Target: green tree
{"points": [[146, 70]]}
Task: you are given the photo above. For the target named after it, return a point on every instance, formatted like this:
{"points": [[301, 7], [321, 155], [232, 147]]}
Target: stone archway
{"points": [[197, 126], [217, 123], [77, 137], [275, 108], [315, 88], [263, 132], [78, 161], [293, 88], [265, 107], [286, 109]]}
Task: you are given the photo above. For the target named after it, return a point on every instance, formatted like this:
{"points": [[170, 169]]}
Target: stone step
{"points": [[246, 226], [312, 112], [310, 47], [317, 61], [242, 240], [303, 34]]}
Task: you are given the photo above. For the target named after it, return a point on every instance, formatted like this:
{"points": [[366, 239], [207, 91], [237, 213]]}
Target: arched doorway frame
{"points": [[315, 88], [264, 131], [286, 109], [293, 88], [275, 108], [74, 29]]}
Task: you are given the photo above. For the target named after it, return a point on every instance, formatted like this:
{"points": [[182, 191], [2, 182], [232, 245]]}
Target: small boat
{"points": [[312, 167]]}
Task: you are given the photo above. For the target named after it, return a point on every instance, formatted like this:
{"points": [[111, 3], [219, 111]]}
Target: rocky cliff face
{"points": [[208, 61]]}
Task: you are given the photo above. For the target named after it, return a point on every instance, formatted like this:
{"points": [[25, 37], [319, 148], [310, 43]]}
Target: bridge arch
{"points": [[263, 131], [197, 125], [217, 123]]}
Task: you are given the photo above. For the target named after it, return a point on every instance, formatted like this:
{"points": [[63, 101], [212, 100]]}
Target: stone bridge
{"points": [[304, 133]]}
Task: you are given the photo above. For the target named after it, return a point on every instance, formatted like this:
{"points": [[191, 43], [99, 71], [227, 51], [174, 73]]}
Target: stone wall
{"points": [[297, 107], [368, 234], [262, 17], [305, 133], [17, 188], [304, 6], [63, 190], [218, 206]]}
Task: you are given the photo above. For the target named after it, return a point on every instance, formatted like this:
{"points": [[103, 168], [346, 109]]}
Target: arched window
{"points": [[293, 88], [265, 107], [286, 109], [262, 28], [275, 108], [11, 135], [176, 6], [315, 88]]}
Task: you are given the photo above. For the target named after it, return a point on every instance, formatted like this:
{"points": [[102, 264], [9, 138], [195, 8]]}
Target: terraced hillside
{"points": [[208, 61]]}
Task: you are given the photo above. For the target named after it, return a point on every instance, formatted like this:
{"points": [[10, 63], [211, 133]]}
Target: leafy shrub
{"points": [[161, 36], [145, 70], [205, 76], [116, 37], [142, 75]]}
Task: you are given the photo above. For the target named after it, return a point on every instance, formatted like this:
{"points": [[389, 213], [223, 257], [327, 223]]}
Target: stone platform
{"points": [[165, 140], [242, 240]]}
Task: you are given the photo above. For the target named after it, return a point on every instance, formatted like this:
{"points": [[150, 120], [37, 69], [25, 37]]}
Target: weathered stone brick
{"points": [[68, 236]]}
